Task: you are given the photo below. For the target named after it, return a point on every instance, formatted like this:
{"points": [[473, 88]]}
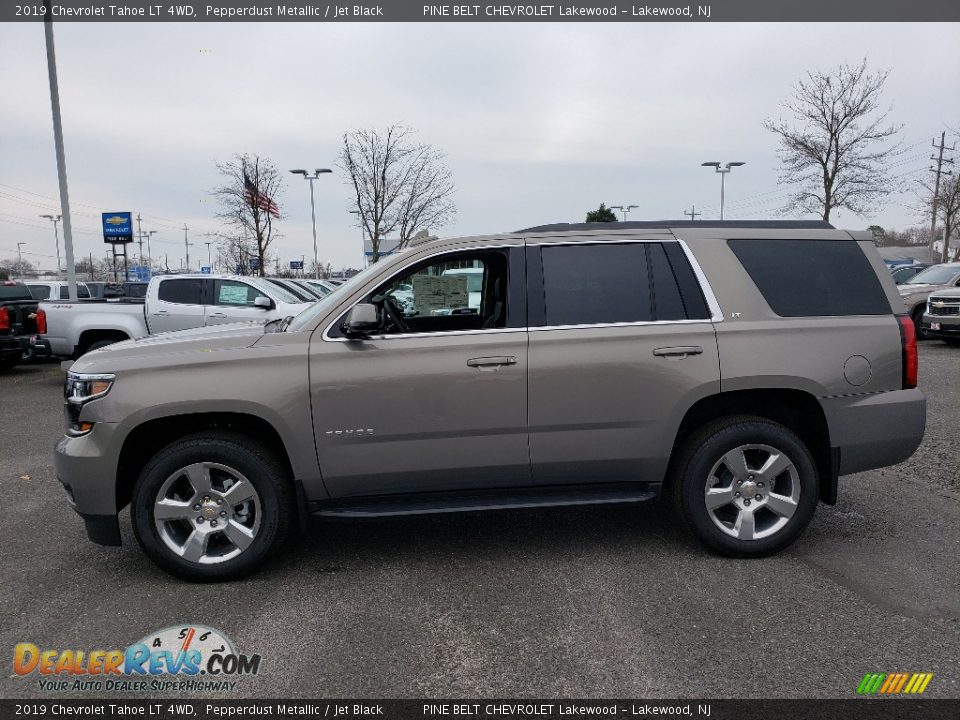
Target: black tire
{"points": [[99, 344], [695, 461], [917, 317], [9, 363], [238, 452]]}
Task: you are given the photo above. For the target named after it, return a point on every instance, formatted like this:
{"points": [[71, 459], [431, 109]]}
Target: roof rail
{"points": [[664, 224]]}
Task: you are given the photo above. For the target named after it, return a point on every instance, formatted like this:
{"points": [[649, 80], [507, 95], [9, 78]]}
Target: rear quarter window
{"points": [[810, 278]]}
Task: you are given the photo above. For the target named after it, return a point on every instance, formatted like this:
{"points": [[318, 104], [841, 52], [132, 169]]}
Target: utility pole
{"points": [[936, 187], [693, 212], [624, 209], [20, 259], [56, 236], [186, 244], [140, 238], [91, 268]]}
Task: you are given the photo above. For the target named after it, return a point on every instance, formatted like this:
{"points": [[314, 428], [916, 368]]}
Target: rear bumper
{"points": [[11, 346], [877, 430]]}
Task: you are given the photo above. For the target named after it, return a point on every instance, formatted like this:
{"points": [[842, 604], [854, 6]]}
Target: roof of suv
{"points": [[666, 224]]}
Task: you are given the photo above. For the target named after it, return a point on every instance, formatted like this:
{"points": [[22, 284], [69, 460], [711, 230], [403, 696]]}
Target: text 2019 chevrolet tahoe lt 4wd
{"points": [[738, 368]]}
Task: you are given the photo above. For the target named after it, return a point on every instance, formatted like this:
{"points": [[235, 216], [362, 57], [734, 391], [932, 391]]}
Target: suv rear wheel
{"points": [[211, 507], [745, 486]]}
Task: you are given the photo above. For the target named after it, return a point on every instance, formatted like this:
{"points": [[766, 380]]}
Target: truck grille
{"points": [[943, 306]]}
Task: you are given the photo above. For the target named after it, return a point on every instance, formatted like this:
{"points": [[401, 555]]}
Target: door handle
{"points": [[679, 351], [161, 312], [483, 362], [218, 315]]}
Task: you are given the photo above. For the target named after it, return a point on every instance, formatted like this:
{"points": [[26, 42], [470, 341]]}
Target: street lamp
{"points": [[723, 173], [209, 261], [56, 235], [149, 234], [624, 209], [313, 214], [20, 259]]}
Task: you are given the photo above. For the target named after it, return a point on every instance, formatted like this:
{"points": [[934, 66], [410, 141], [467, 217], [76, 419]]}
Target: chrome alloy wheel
{"points": [[207, 513], [752, 492]]}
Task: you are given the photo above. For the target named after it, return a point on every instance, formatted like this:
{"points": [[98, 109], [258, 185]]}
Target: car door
{"points": [[176, 305], [621, 341], [440, 407], [234, 301]]}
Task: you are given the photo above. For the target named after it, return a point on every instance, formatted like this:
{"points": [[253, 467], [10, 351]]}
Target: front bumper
{"points": [[949, 325], [876, 430], [86, 466]]}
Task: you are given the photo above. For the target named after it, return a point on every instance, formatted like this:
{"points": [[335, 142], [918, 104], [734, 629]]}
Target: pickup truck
{"points": [[20, 321], [172, 302]]}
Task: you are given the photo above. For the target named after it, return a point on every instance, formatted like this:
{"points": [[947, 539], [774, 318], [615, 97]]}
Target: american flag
{"points": [[256, 199]]}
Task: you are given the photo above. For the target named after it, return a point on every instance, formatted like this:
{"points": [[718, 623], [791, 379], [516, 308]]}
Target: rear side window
{"points": [[14, 291], [82, 292], [183, 292], [809, 278], [40, 292], [591, 284]]}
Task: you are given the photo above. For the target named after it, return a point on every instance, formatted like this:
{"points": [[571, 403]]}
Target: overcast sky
{"points": [[540, 123]]}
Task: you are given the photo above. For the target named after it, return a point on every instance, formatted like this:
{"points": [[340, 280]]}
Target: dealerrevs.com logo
{"points": [[180, 658]]}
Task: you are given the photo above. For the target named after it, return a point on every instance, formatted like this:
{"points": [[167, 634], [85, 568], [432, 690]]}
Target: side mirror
{"points": [[262, 301], [361, 320]]}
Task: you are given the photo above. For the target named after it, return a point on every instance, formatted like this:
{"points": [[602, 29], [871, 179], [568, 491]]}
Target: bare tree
{"points": [[398, 185], [836, 157], [948, 211], [248, 202]]}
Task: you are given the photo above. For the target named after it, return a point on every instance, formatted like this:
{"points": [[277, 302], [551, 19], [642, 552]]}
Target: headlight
{"points": [[78, 390]]}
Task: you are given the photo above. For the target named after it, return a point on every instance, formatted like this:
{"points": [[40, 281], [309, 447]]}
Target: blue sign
{"points": [[205, 269], [296, 264], [118, 227], [254, 263]]}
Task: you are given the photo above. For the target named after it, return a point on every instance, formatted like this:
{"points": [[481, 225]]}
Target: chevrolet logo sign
{"points": [[116, 220], [937, 303]]}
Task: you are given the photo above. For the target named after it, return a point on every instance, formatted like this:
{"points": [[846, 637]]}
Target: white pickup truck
{"points": [[173, 302]]}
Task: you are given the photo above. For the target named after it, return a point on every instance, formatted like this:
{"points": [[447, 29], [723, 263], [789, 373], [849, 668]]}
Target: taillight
{"points": [[42, 322], [908, 338], [4, 319]]}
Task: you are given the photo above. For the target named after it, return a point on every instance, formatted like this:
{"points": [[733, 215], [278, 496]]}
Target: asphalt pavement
{"points": [[601, 602]]}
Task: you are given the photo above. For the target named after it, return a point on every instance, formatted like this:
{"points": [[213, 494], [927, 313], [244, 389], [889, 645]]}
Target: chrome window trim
{"points": [[711, 298]]}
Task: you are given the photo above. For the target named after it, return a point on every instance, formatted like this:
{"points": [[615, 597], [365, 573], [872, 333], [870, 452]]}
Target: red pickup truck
{"points": [[21, 320]]}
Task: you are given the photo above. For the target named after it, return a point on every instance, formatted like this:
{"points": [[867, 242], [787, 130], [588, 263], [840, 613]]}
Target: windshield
{"points": [[318, 308], [936, 275], [278, 292]]}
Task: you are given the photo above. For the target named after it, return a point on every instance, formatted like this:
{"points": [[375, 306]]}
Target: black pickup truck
{"points": [[21, 320]]}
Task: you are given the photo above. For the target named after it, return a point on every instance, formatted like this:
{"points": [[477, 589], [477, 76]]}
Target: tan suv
{"points": [[589, 364]]}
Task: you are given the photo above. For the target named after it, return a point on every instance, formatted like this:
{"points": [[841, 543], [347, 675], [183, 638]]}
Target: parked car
{"points": [[21, 319], [55, 290], [318, 292], [942, 317], [173, 302], [324, 286], [605, 365], [904, 273], [916, 291], [298, 292]]}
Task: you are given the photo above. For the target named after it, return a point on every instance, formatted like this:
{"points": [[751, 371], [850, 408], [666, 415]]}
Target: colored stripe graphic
{"points": [[894, 683]]}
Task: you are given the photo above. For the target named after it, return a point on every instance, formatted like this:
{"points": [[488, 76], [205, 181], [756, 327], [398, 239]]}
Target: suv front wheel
{"points": [[211, 507], [745, 486]]}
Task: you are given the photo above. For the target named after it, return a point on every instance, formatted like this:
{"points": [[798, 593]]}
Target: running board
{"points": [[424, 504]]}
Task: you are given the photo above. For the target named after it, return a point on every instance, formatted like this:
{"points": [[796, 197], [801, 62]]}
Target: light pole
{"points": [[723, 173], [56, 236], [20, 259], [624, 209], [149, 234], [313, 213], [209, 261]]}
